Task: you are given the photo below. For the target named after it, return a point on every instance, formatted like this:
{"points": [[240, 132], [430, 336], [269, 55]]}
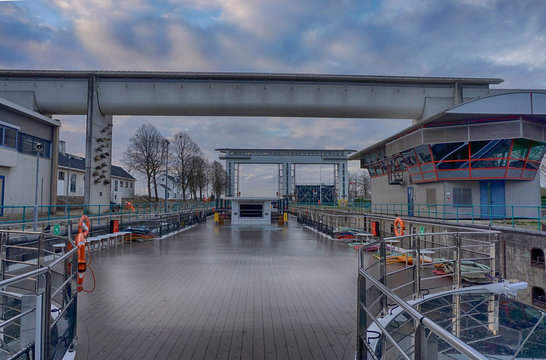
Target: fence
{"points": [[400, 269], [53, 213]]}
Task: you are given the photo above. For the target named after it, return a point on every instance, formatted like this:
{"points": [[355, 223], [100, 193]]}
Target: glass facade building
{"points": [[513, 159]]}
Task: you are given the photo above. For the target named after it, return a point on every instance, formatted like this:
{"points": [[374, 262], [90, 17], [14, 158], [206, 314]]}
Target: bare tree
{"points": [[218, 178], [145, 154], [198, 176], [185, 150], [359, 185]]}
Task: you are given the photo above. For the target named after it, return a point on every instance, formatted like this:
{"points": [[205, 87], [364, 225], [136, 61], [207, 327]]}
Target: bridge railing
{"points": [[395, 270], [38, 296]]}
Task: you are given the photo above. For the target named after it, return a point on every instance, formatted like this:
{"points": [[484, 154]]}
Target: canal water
{"points": [[222, 292]]}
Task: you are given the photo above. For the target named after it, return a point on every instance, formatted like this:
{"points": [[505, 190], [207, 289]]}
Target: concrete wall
{"points": [[521, 197], [20, 181], [523, 193]]}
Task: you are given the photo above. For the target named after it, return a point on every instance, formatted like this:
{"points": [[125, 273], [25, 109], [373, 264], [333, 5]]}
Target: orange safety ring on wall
{"points": [[399, 227]]}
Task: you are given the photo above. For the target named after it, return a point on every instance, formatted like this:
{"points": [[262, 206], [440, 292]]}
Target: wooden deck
{"points": [[222, 293]]}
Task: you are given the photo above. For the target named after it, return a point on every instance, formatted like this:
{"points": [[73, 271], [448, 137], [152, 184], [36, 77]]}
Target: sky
{"points": [[455, 38]]}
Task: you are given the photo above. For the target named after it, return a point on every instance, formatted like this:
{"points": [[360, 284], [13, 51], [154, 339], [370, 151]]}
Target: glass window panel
{"points": [[25, 143], [10, 137], [454, 174], [489, 163], [450, 151], [371, 170], [417, 177], [423, 154], [400, 164], [414, 170], [72, 182], [532, 165], [427, 167], [452, 165], [462, 197], [1, 134], [429, 175], [537, 151], [520, 148], [410, 158], [490, 149], [384, 166], [517, 163], [378, 169]]}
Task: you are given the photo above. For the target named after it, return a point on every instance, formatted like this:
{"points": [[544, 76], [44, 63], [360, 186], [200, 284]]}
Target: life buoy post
{"points": [[83, 230], [399, 227]]}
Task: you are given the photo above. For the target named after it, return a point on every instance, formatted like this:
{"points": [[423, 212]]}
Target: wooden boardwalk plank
{"points": [[223, 293]]}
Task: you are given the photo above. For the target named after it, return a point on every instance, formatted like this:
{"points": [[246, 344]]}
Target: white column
{"points": [[230, 168], [98, 152]]}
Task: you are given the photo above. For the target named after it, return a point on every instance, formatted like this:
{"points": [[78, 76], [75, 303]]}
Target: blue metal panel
{"points": [[492, 199]]}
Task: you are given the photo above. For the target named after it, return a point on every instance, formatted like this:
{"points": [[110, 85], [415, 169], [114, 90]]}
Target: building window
{"points": [[8, 136], [462, 197], [131, 185], [27, 143], [537, 258], [73, 183], [121, 184], [61, 175], [115, 185], [538, 297]]}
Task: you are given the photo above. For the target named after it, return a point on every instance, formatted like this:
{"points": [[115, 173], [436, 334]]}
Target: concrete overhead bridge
{"points": [[103, 94]]}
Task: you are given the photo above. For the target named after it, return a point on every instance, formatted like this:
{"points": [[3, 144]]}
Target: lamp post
{"points": [[166, 143], [38, 147]]}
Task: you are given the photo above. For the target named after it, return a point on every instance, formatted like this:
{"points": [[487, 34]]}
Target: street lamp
{"points": [[38, 147], [166, 144]]}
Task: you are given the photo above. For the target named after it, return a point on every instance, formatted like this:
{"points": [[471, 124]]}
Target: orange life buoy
{"points": [[399, 227], [129, 206]]}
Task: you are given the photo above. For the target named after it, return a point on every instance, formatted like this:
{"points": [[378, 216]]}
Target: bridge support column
{"points": [[343, 180], [230, 168], [98, 153], [287, 173]]}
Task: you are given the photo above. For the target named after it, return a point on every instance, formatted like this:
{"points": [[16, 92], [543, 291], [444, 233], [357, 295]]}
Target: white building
{"points": [[174, 189], [71, 175], [21, 130]]}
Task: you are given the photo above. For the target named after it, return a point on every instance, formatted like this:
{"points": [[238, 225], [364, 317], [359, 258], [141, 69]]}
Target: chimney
{"points": [[62, 147]]}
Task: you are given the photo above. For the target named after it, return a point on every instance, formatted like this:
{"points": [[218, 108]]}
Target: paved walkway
{"points": [[222, 293]]}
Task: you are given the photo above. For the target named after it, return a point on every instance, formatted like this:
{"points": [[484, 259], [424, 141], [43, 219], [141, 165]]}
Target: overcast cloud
{"points": [[467, 38]]}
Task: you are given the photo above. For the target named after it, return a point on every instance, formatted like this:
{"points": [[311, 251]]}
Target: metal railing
{"points": [[38, 299], [400, 269], [48, 214], [530, 216]]}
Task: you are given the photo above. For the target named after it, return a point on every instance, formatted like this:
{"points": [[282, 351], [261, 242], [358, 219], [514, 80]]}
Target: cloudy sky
{"points": [[466, 38]]}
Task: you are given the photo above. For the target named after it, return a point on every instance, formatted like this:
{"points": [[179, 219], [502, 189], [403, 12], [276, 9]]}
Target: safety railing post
{"points": [[24, 216], [458, 277], [99, 215], [43, 317], [420, 341], [383, 274], [513, 222], [362, 321], [417, 264]]}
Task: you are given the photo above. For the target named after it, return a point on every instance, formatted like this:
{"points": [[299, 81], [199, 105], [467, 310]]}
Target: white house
{"points": [[71, 175], [22, 132], [174, 189]]}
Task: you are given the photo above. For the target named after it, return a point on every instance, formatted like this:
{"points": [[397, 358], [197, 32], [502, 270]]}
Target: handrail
{"points": [[39, 271], [435, 328]]}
